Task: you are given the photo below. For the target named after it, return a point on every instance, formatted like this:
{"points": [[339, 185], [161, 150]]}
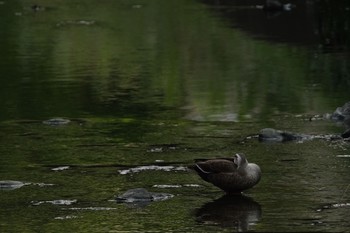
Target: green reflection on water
{"points": [[114, 58]]}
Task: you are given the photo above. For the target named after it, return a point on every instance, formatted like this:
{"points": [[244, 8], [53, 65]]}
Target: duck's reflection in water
{"points": [[240, 212]]}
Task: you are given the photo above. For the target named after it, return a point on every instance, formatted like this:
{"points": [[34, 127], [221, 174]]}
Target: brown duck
{"points": [[233, 175]]}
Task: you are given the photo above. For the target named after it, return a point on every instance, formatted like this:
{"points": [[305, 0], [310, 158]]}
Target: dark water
{"points": [[158, 83]]}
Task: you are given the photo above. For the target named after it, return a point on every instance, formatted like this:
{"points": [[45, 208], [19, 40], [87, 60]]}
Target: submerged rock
{"points": [[56, 121], [10, 184], [142, 195], [273, 135]]}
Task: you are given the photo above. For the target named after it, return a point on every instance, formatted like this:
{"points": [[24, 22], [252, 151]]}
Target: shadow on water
{"points": [[238, 212], [320, 23]]}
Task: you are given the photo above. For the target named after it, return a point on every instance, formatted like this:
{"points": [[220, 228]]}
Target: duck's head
{"points": [[240, 160], [288, 7]]}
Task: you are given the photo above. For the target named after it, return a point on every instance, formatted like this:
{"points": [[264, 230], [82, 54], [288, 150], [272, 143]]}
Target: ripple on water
{"points": [[10, 184], [55, 202], [91, 208], [334, 206], [65, 217], [62, 168], [76, 23], [176, 185], [152, 167], [56, 121], [14, 184], [343, 156]]}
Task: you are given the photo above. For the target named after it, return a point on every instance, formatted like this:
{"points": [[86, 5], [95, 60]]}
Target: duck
{"points": [[36, 7], [232, 175], [275, 5]]}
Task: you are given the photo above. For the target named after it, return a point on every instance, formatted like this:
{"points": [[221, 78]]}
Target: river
{"points": [[148, 86]]}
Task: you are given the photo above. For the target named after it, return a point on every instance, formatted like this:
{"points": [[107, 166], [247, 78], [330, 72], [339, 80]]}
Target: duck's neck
{"points": [[253, 171]]}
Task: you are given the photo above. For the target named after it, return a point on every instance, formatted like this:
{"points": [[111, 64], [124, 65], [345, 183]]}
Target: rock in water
{"points": [[341, 113], [273, 135]]}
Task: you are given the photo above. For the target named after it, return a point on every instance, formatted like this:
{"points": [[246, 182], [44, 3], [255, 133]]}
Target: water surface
{"points": [[150, 85]]}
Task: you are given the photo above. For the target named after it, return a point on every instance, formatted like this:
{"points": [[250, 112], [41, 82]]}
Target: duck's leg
{"points": [[235, 193]]}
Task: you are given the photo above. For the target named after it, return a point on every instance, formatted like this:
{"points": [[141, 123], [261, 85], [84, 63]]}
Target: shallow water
{"points": [[148, 86]]}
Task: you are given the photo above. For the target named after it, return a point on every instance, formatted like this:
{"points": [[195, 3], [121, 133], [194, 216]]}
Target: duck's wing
{"points": [[216, 166]]}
